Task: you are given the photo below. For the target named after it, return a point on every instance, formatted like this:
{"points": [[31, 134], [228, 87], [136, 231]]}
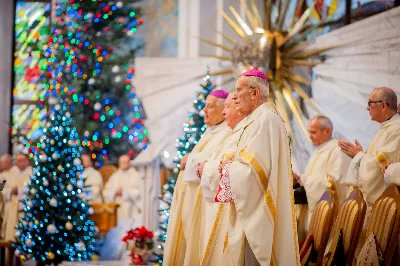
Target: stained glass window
{"points": [[32, 22]]}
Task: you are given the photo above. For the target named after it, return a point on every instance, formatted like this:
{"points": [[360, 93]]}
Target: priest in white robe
{"points": [[184, 222], [365, 169], [124, 188], [14, 190], [392, 174], [94, 181], [257, 183], [325, 170], [215, 216]]}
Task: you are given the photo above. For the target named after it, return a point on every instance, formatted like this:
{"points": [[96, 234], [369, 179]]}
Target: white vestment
{"points": [[365, 169], [258, 186], [129, 203], [175, 245], [19, 179], [95, 183], [184, 201], [327, 161], [392, 174], [214, 215], [128, 214]]}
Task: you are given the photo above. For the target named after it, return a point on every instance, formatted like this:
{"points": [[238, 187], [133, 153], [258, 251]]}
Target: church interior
{"points": [[200, 132]]}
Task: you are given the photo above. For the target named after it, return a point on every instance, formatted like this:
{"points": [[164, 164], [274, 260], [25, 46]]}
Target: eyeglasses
{"points": [[371, 102]]}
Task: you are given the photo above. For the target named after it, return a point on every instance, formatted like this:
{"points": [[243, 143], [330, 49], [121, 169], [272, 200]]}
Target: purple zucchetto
{"points": [[220, 94], [255, 73]]}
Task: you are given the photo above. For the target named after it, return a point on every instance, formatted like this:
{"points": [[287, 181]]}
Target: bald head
{"points": [[320, 129], [6, 162], [124, 162], [382, 104], [389, 96]]}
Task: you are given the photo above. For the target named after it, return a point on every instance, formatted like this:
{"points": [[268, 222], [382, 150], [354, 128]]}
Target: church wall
{"points": [[6, 44]]}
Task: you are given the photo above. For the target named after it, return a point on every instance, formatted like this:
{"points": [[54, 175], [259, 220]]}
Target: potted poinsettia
{"points": [[139, 242]]}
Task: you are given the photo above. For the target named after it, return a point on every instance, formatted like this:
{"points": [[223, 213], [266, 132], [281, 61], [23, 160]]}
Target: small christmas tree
{"points": [[194, 129], [54, 223]]}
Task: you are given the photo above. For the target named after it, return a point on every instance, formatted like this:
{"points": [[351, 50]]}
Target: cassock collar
{"points": [[258, 111], [323, 145], [394, 119], [214, 129], [219, 127]]}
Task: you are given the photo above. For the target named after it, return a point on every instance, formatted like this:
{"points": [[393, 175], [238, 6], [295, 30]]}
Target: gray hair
{"points": [[258, 83], [323, 122], [389, 96], [6, 157]]}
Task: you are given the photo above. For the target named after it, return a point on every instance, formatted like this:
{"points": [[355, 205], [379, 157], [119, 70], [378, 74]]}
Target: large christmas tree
{"points": [[193, 130], [54, 223], [90, 62]]}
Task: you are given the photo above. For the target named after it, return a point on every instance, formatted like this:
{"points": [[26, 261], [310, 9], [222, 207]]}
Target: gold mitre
{"points": [[382, 159], [228, 156]]}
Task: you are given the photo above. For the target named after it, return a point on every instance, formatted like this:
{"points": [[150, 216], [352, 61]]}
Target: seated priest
{"points": [[14, 190], [123, 188], [94, 181], [325, 169]]}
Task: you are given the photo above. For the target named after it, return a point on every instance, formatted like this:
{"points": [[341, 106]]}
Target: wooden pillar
{"points": [[7, 16]]}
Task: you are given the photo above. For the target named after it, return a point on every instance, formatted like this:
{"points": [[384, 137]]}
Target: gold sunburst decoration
{"points": [[276, 49]]}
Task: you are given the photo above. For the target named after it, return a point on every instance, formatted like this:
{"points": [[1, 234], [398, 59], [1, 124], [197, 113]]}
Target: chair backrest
{"points": [[350, 220], [106, 171], [385, 221], [321, 224]]}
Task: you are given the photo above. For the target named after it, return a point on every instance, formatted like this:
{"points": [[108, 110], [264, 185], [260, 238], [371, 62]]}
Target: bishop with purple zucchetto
{"points": [[256, 182], [184, 220]]}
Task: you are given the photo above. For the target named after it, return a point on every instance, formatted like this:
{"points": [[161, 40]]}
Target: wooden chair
{"points": [[106, 171], [385, 222], [104, 216], [350, 222], [320, 227]]}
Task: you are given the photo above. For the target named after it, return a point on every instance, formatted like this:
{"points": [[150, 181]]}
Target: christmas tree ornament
{"points": [[50, 255], [51, 228], [77, 161], [69, 226], [53, 202], [28, 242]]}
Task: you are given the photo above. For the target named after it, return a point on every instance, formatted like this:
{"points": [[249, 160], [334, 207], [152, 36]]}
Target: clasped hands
{"points": [[200, 167]]}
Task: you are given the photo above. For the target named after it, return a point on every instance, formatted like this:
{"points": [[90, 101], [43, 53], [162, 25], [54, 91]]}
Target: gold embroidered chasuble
{"points": [[185, 206], [258, 187]]}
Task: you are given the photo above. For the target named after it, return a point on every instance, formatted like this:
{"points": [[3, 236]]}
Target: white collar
{"points": [[394, 118]]}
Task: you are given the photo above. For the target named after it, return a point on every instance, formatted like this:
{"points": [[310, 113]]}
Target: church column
{"points": [[188, 28], [6, 70]]}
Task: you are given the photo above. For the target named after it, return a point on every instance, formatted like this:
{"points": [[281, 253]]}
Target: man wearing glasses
{"points": [[365, 169]]}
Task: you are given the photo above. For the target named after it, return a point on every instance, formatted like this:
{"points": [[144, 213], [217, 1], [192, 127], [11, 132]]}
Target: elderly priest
{"points": [[184, 222], [257, 183]]}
